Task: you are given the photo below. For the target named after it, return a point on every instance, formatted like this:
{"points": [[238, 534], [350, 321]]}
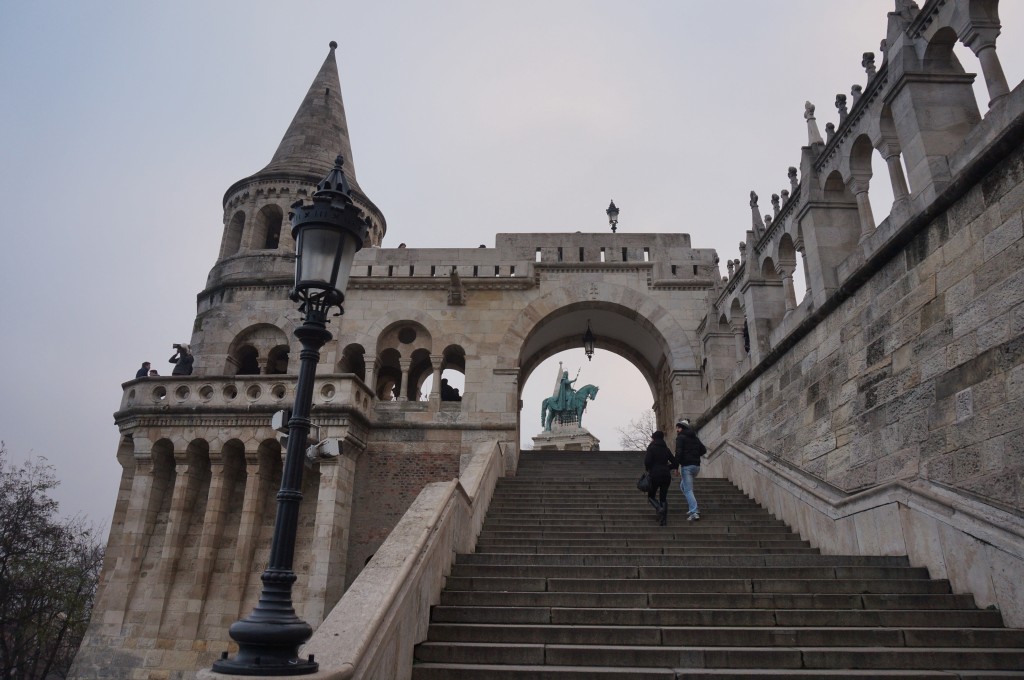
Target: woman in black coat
{"points": [[659, 463]]}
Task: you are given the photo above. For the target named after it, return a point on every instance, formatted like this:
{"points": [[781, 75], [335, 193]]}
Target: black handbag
{"points": [[644, 483]]}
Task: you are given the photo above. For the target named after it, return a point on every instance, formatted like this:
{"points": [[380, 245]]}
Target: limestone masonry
{"points": [[879, 415]]}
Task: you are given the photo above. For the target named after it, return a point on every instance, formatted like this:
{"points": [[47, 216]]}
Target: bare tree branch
{"points": [[49, 570], [637, 434]]}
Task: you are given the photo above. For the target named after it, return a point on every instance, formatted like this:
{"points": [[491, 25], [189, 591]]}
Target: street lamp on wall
{"points": [[613, 216], [588, 342], [327, 233]]}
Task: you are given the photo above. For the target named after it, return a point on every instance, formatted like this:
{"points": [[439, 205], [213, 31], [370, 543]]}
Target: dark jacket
{"points": [[182, 364], [659, 461], [689, 447]]}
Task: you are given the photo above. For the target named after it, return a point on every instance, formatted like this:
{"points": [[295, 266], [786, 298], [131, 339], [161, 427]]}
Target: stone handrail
{"points": [[974, 545], [370, 633]]}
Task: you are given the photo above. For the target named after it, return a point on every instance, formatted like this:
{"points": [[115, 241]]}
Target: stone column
{"points": [[371, 374], [737, 333], [331, 536], [221, 482], [177, 526], [859, 187], [891, 153], [982, 41], [257, 480], [403, 392], [435, 389], [786, 272], [807, 275], [143, 500]]}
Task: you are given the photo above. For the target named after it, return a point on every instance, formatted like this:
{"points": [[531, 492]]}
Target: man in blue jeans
{"points": [[689, 449]]}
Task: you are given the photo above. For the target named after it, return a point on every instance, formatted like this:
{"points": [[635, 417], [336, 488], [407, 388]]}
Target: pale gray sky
{"points": [[124, 122]]}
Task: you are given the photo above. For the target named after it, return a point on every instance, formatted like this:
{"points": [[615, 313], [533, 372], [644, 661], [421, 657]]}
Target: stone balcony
{"points": [[203, 393]]}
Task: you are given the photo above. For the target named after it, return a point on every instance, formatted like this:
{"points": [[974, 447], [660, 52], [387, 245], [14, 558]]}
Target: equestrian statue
{"points": [[567, 405]]}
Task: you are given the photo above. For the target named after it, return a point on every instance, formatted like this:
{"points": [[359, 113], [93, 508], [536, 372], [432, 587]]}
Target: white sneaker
{"points": [[693, 518]]}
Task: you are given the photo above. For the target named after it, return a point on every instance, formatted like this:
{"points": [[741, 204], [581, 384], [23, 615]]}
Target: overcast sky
{"points": [[123, 123]]}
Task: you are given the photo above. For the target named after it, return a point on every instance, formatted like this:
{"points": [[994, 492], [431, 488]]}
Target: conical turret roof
{"points": [[317, 135], [319, 132]]}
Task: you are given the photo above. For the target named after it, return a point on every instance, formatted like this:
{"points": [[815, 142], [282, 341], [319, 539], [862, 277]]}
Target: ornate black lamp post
{"points": [[327, 234], [588, 342], [613, 216]]}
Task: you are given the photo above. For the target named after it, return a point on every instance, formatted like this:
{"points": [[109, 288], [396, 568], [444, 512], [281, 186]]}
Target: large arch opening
{"points": [[631, 367], [624, 397]]}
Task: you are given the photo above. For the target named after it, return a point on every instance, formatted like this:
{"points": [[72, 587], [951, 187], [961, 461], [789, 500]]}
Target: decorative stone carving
{"points": [[855, 92], [775, 204], [841, 107], [792, 179], [868, 62], [830, 131], [756, 222], [785, 196], [456, 291], [813, 136]]}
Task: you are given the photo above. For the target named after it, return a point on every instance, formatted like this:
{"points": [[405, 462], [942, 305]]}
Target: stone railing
{"points": [[977, 547], [371, 632], [247, 392]]}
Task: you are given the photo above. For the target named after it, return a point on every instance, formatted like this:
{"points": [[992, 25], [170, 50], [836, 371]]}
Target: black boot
{"points": [[663, 514], [654, 504]]}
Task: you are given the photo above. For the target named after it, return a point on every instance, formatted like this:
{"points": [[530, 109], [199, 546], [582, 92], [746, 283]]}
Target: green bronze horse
{"points": [[574, 410]]}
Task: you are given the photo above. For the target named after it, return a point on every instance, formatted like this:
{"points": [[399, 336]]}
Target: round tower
{"points": [[256, 207], [244, 320]]}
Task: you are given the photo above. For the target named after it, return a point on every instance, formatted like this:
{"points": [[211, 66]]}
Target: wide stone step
{"points": [[551, 571], [441, 671], [697, 656], [699, 541], [714, 548], [695, 529], [517, 559], [739, 585], [924, 604], [724, 636], [644, 522], [749, 617]]}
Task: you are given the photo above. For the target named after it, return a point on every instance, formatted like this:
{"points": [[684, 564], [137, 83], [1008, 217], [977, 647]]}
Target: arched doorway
{"points": [[630, 325]]}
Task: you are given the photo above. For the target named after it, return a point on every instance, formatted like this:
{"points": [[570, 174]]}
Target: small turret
{"points": [[254, 207]]}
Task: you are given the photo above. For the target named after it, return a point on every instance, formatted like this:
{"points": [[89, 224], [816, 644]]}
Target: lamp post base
{"points": [[268, 644]]}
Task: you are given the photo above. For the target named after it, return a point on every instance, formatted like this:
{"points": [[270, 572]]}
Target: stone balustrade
{"points": [[252, 392]]}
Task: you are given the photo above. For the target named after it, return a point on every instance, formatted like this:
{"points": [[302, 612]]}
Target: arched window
{"points": [[266, 230], [353, 361], [277, 360], [248, 360], [233, 235]]}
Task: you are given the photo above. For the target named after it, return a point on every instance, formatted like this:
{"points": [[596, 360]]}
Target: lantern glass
{"points": [[325, 256], [588, 342]]}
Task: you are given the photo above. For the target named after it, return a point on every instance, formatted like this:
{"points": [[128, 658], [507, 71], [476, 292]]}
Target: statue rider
{"points": [[565, 392]]}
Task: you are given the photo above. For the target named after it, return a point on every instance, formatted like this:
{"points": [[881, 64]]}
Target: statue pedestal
{"points": [[566, 438]]}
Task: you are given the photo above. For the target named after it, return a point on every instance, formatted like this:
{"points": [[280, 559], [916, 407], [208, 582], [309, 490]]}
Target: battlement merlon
{"points": [[669, 256], [516, 255]]}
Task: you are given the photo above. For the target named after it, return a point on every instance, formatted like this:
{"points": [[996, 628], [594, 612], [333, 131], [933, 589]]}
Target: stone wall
{"points": [[907, 369]]}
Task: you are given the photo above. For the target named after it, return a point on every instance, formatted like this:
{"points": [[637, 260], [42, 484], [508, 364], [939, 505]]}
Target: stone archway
{"points": [[627, 323]]}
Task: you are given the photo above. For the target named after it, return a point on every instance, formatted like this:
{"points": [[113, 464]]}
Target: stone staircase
{"points": [[573, 579]]}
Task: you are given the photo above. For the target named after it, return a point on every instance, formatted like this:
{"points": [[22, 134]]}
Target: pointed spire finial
{"points": [[318, 131]]}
